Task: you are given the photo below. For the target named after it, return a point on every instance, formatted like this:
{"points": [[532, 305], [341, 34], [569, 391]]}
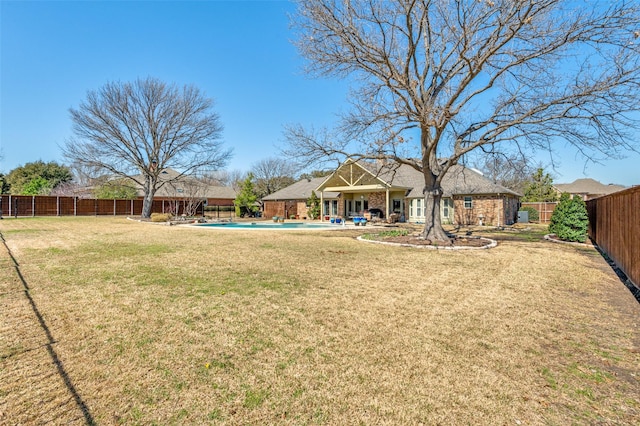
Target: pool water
{"points": [[268, 225]]}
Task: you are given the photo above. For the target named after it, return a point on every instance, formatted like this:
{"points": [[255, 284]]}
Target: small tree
{"points": [[245, 201], [569, 220], [119, 189], [313, 206], [37, 186], [190, 193], [540, 188]]}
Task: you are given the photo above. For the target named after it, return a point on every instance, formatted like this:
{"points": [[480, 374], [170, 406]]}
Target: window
{"points": [[331, 207], [415, 208], [397, 206], [468, 202], [447, 207]]}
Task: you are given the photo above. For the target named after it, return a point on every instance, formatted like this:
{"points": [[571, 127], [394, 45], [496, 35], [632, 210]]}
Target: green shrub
{"points": [[160, 217], [569, 220], [534, 216]]}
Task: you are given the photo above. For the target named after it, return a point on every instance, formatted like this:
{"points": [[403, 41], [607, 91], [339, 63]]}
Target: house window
{"points": [[447, 207], [397, 206], [415, 208], [331, 207], [468, 202]]}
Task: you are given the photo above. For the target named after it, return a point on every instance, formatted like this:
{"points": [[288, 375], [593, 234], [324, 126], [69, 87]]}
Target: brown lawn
{"points": [[111, 321]]}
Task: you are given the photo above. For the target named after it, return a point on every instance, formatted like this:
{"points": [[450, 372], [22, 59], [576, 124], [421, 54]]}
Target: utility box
{"points": [[523, 216]]}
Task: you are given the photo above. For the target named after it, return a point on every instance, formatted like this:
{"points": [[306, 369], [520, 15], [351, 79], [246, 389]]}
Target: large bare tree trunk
{"points": [[149, 193], [433, 229]]}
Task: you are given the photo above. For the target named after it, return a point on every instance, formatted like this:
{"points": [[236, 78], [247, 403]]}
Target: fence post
{"points": [[33, 206], [75, 206]]}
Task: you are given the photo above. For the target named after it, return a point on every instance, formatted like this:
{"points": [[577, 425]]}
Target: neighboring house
{"points": [[292, 200], [587, 188], [358, 189], [183, 187]]}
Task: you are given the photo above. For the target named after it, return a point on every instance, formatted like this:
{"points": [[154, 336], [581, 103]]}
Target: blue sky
{"points": [[237, 52]]}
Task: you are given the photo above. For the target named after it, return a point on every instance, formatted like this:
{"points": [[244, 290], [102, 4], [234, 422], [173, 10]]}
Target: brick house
{"points": [[292, 200], [175, 186], [357, 188]]}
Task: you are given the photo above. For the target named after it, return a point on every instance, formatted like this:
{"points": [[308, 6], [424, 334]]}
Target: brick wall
{"points": [[494, 211], [377, 200]]}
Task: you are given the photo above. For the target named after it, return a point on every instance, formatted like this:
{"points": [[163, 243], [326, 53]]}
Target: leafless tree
{"points": [[272, 174], [464, 75], [188, 192], [506, 169], [232, 178], [138, 129]]}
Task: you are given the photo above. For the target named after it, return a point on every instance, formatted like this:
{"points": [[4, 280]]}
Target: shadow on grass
{"points": [[50, 341]]}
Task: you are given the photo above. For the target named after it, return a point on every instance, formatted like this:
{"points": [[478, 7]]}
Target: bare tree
{"points": [[272, 174], [463, 75], [189, 192], [510, 171], [138, 129], [232, 178]]}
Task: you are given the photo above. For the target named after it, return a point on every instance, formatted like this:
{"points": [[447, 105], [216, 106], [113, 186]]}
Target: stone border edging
{"points": [[575, 243], [492, 244]]}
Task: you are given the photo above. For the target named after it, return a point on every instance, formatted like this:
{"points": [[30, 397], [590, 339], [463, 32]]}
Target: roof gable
{"points": [[300, 190], [352, 173]]}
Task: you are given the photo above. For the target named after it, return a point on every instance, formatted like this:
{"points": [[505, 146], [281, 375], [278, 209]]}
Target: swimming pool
{"points": [[269, 225]]}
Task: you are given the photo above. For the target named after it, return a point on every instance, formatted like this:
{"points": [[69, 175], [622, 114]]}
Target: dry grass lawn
{"points": [[110, 321]]}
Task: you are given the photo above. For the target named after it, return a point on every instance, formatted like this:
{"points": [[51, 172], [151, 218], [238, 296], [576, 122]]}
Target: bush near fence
{"points": [[545, 210], [614, 225]]}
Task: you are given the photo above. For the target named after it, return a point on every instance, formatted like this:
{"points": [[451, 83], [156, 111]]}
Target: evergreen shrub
{"points": [[569, 220]]}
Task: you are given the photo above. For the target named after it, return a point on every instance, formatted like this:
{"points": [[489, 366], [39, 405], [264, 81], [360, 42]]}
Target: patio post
{"points": [[386, 207]]}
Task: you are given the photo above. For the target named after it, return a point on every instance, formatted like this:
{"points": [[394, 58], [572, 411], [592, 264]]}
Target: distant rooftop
{"points": [[588, 186]]}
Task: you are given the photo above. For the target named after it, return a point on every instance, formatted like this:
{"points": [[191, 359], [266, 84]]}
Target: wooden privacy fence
{"points": [[545, 210], [614, 225], [39, 205]]}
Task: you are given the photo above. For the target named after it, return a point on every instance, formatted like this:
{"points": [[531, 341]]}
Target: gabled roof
{"points": [[459, 180], [300, 190], [588, 186]]}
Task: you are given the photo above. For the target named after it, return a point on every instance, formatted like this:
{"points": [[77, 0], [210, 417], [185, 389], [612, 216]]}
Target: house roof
{"points": [[588, 186], [179, 184], [300, 190], [459, 180]]}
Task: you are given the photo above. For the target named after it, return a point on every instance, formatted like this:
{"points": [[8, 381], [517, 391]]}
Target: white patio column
{"points": [[321, 206], [386, 208]]}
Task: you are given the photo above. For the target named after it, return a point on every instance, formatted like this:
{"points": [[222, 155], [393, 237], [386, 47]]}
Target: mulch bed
{"points": [[417, 241]]}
